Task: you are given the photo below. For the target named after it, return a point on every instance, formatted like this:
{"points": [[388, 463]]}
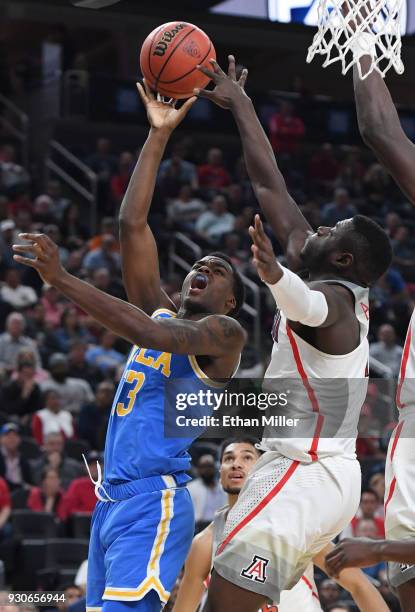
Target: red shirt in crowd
{"points": [[213, 177], [36, 502], [380, 525], [286, 133], [80, 496], [5, 501]]}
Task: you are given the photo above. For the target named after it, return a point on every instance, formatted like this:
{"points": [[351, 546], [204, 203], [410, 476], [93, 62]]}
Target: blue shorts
{"points": [[138, 545]]}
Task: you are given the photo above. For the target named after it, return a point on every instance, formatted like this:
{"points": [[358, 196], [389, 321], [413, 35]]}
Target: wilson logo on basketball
{"points": [[256, 569], [165, 40], [192, 49]]}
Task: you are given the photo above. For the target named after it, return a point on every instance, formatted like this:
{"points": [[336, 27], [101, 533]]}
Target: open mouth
{"points": [[199, 282], [236, 477]]}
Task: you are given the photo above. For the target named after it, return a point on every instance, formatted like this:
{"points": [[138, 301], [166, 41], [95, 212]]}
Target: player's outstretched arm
{"points": [[364, 593], [140, 264], [196, 571], [279, 208], [362, 552], [215, 335]]}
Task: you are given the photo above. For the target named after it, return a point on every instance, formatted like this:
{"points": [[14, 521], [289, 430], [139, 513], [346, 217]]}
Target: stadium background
{"points": [[71, 126]]}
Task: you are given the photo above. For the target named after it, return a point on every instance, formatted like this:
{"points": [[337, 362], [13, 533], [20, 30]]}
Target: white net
{"points": [[349, 29]]}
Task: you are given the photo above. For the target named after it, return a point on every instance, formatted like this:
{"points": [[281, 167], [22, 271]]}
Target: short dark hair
{"points": [[372, 249], [238, 284], [239, 440], [371, 492]]}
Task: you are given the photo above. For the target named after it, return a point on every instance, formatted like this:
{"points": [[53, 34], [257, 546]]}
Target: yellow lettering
{"points": [[141, 358], [164, 360], [133, 378]]}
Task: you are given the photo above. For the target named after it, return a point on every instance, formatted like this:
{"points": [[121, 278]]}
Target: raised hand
{"points": [[163, 115], [45, 254], [228, 89], [263, 254]]}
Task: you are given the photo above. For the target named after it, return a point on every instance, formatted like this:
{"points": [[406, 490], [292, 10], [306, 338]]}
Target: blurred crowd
{"points": [[59, 369]]}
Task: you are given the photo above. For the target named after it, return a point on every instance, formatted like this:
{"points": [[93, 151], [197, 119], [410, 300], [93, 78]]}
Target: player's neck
{"points": [[194, 316], [232, 499], [322, 276]]}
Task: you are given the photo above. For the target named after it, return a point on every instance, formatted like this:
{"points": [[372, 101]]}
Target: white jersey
{"points": [[405, 393], [324, 393]]}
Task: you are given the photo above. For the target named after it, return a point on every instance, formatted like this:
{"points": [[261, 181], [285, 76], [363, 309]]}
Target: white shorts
{"points": [[303, 597], [400, 492], [285, 514]]}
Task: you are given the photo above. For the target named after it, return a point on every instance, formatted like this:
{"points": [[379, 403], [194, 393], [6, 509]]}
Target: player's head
{"points": [[213, 286], [237, 457], [357, 249]]}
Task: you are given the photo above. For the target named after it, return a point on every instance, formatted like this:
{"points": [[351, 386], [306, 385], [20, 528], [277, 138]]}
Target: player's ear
{"points": [[342, 259], [231, 304]]}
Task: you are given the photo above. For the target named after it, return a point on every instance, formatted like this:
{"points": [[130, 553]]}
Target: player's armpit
{"points": [[215, 336], [337, 298], [196, 571]]}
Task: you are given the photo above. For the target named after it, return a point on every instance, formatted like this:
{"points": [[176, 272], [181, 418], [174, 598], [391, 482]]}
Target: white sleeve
{"points": [[297, 301]]}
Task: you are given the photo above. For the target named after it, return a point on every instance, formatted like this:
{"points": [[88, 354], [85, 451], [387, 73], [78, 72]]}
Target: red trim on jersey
{"points": [[310, 392], [396, 438], [260, 506], [404, 363], [310, 586], [391, 492]]}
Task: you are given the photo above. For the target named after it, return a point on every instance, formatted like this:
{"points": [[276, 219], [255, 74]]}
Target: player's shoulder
{"points": [[226, 326], [334, 290]]}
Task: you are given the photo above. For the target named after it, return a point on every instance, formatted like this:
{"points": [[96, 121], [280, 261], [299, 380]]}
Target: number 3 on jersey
{"points": [[137, 380]]}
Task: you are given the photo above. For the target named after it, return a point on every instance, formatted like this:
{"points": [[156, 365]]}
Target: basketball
{"points": [[169, 57]]}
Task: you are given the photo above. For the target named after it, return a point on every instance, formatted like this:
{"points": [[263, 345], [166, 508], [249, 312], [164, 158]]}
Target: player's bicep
{"points": [[397, 155]]}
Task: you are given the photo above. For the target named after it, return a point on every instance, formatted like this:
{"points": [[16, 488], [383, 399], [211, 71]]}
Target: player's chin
{"points": [[195, 303]]}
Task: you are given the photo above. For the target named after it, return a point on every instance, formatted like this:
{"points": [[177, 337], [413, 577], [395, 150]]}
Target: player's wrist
{"points": [[241, 103], [380, 550]]}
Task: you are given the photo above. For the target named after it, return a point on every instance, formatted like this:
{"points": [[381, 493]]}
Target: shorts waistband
{"points": [[126, 490]]}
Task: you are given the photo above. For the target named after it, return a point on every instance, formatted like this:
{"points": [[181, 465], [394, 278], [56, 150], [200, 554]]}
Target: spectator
{"points": [[49, 497], [367, 528], [5, 510], [206, 492], [73, 597], [53, 231], [51, 300], [183, 170], [13, 340], [377, 484], [329, 592], [12, 175], [369, 504], [386, 349], [93, 418], [215, 222], [339, 209], [102, 279], [104, 356], [71, 329], [104, 257], [78, 365], [403, 249], [108, 226], [74, 392], [27, 356], [80, 496], [286, 129], [102, 162], [74, 231], [184, 210], [18, 296], [213, 175], [7, 239], [43, 210], [22, 395], [53, 456], [119, 182], [52, 418], [59, 202], [392, 223], [323, 167], [14, 468]]}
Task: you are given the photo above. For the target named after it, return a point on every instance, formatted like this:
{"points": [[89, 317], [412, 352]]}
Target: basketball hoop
{"points": [[349, 29]]}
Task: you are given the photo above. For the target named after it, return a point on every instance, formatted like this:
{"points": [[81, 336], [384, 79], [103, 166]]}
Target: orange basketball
{"points": [[169, 57]]}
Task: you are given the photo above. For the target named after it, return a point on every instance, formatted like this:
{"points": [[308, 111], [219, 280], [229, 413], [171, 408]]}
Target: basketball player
{"points": [[143, 524], [238, 455], [381, 130], [305, 489]]}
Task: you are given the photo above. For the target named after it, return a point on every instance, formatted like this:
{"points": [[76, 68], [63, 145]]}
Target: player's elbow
{"points": [[127, 225]]}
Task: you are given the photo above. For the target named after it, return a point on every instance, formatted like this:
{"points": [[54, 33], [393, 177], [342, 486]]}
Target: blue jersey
{"points": [[136, 446]]}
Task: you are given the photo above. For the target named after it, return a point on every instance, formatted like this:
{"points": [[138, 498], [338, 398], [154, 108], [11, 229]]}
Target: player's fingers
{"points": [[32, 263], [218, 70], [187, 106], [232, 67], [243, 77], [204, 93], [253, 233], [207, 72], [142, 93], [149, 93], [44, 241]]}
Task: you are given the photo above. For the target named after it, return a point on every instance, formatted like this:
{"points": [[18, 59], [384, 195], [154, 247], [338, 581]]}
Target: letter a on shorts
{"points": [[256, 569]]}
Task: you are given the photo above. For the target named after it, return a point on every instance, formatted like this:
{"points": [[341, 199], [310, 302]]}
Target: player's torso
{"points": [[319, 384], [136, 445], [405, 394], [303, 596]]}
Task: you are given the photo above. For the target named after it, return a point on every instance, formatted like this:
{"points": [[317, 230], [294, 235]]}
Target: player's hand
{"points": [[228, 89], [352, 552], [163, 115], [44, 256], [263, 254]]}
